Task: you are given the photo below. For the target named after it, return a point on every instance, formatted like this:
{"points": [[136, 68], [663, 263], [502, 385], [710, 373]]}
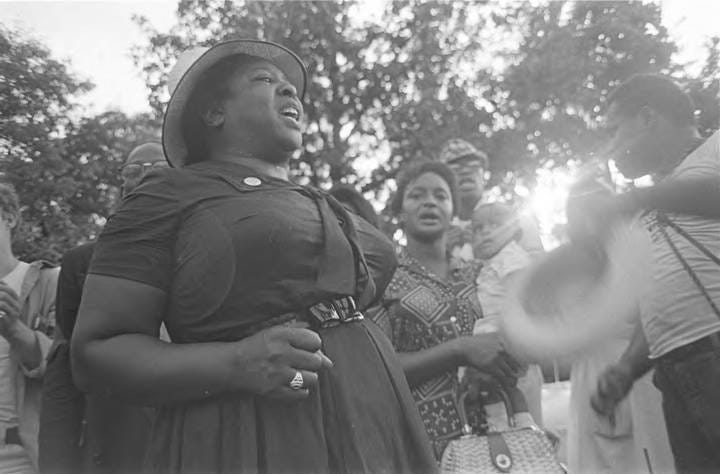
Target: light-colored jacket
{"points": [[37, 300]]}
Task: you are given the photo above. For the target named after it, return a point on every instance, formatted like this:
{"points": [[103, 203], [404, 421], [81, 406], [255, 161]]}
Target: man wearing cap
{"points": [[470, 166], [90, 433]]}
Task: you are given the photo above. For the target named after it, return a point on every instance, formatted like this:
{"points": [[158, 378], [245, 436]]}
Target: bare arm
{"points": [[636, 356], [115, 349], [423, 365], [698, 196], [616, 382], [483, 352]]}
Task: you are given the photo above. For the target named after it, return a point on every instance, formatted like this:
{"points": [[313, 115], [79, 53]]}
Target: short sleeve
{"points": [[385, 314], [138, 241], [378, 252]]}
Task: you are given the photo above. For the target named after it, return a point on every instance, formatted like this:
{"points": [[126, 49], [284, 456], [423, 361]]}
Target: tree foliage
{"points": [[550, 99], [373, 86], [393, 89], [527, 82], [63, 168], [705, 89]]}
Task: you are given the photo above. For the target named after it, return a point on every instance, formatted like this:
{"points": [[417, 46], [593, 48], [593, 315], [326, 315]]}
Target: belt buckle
{"points": [[348, 311], [324, 314], [335, 312]]}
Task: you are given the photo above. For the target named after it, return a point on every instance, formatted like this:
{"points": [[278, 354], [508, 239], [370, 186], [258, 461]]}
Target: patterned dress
{"points": [[418, 311]]}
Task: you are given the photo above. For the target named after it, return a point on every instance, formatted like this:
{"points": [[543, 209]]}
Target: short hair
{"points": [[147, 152], [347, 194], [501, 213], [213, 86], [413, 172], [9, 202], [658, 92]]}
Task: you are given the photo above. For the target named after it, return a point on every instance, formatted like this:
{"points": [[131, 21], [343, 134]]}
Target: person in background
{"points": [[635, 439], [354, 202], [430, 307], [90, 433], [652, 125], [27, 322], [496, 233], [261, 283], [470, 167]]}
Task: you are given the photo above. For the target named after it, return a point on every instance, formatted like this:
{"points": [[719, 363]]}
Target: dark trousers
{"points": [[689, 379]]}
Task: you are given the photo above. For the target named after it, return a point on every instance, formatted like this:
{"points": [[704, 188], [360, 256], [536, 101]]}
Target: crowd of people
{"points": [[230, 320]]}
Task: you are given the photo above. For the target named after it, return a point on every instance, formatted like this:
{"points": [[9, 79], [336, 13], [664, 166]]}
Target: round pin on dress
{"points": [[252, 181]]}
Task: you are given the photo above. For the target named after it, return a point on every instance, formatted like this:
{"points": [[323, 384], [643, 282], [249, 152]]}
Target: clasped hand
{"points": [[486, 353], [613, 386]]}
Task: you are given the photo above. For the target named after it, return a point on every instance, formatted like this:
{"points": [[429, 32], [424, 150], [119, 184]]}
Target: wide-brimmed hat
{"points": [[190, 67], [457, 148]]}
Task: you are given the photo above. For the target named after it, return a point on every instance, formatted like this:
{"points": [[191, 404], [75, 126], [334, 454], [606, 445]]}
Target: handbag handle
{"points": [[514, 402], [664, 221]]}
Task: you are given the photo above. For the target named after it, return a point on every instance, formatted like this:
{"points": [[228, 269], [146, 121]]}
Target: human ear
{"points": [[214, 116], [10, 219], [649, 116]]}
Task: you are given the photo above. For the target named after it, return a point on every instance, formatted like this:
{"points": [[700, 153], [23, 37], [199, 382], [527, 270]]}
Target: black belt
{"points": [[12, 436], [331, 313], [319, 316], [704, 344]]}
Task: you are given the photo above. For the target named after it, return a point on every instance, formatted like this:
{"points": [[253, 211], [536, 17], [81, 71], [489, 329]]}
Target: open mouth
{"points": [[429, 217], [291, 112]]}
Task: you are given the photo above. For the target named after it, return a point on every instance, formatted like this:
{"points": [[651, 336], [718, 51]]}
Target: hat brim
{"points": [[289, 63]]}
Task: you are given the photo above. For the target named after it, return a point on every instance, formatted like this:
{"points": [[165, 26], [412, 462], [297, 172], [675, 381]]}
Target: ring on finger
{"points": [[297, 382]]}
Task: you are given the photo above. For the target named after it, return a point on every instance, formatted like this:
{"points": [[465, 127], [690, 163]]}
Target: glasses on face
{"points": [[467, 168], [138, 169]]}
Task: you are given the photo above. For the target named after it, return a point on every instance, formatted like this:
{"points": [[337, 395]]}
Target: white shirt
{"points": [[8, 369], [491, 280], [673, 310]]}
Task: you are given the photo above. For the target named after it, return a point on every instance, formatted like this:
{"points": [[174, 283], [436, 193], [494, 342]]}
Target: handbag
{"points": [[519, 446]]}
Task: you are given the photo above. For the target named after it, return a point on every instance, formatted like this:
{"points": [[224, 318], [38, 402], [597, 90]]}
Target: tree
{"points": [[552, 96], [36, 95], [373, 87], [318, 32], [705, 90], [64, 170]]}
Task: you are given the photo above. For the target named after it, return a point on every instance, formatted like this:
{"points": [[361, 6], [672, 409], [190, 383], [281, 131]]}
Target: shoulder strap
{"points": [[664, 221]]}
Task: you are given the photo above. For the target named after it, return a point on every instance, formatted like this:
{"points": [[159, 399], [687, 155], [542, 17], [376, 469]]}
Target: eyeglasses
{"points": [[466, 167], [136, 169]]}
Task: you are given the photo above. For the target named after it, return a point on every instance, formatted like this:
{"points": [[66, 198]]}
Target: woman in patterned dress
{"points": [[430, 306]]}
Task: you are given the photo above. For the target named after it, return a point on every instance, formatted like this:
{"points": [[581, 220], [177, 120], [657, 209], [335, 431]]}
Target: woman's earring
{"points": [[214, 117]]}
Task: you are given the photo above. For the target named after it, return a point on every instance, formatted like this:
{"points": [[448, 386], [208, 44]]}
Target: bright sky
{"points": [[96, 36]]}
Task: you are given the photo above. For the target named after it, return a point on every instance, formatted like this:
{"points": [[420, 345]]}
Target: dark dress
{"points": [[237, 252], [80, 432]]}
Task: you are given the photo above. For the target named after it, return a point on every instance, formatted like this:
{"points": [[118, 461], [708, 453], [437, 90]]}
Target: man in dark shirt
{"points": [[90, 433]]}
